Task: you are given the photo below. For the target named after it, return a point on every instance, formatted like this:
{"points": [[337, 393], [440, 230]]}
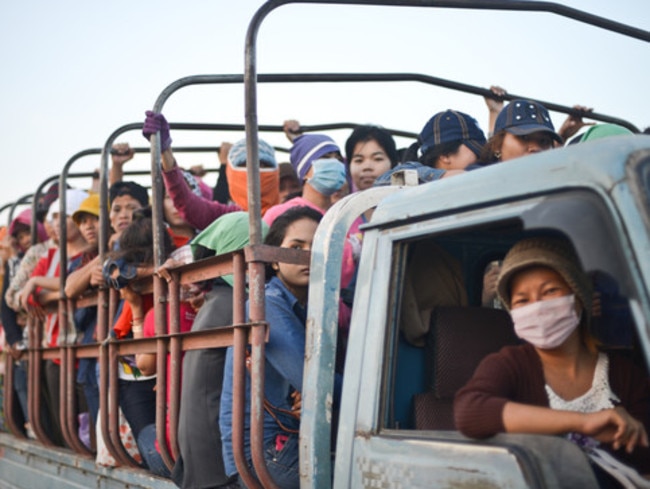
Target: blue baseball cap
{"points": [[523, 117], [450, 126]]}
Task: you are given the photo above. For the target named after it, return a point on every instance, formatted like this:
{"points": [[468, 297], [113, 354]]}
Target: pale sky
{"points": [[74, 71]]}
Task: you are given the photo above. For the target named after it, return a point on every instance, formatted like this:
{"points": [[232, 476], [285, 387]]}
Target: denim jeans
{"points": [[138, 403], [147, 447], [283, 464], [20, 385], [88, 380]]}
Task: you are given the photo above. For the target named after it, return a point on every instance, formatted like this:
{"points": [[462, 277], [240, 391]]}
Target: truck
{"points": [[394, 427]]}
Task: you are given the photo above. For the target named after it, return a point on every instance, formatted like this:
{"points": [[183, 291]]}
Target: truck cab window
{"points": [[440, 329]]}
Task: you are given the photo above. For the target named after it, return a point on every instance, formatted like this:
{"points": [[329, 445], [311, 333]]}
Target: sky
{"points": [[74, 71]]}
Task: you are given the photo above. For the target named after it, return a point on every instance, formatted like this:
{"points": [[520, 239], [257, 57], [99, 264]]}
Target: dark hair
{"points": [[136, 241], [372, 133], [430, 158], [491, 151], [20, 227], [278, 230], [138, 192]]}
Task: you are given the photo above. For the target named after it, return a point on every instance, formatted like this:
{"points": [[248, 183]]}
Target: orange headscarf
{"points": [[238, 178]]}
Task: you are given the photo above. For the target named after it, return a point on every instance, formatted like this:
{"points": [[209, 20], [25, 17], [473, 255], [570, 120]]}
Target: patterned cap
{"points": [[523, 117], [450, 126], [554, 253]]}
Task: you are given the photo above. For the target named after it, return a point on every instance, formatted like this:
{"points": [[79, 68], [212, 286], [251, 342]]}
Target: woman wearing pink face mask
{"points": [[558, 381]]}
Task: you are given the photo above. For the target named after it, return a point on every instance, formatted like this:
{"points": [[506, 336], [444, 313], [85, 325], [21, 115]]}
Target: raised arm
{"points": [[120, 154], [196, 210]]}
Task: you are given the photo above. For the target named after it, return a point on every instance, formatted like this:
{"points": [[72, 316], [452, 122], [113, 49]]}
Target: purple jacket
{"points": [[197, 211]]}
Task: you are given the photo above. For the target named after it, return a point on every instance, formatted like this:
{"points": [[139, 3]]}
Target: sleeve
{"points": [[149, 325], [197, 211], [285, 350], [13, 331], [40, 270], [478, 406], [632, 385], [221, 191], [27, 264], [122, 326]]}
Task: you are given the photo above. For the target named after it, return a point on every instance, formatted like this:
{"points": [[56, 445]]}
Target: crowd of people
{"points": [[202, 222]]}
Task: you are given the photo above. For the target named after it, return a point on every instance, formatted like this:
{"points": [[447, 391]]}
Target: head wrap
{"points": [[604, 131], [238, 178], [25, 217], [226, 234]]}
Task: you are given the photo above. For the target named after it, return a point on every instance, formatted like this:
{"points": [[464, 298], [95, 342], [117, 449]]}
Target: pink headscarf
{"points": [[25, 217]]}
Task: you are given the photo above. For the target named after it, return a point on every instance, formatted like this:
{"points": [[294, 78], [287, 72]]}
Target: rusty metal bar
{"points": [[73, 421], [103, 362], [35, 390], [240, 342], [62, 398], [113, 414], [174, 360], [206, 269], [258, 338], [9, 399], [160, 318]]}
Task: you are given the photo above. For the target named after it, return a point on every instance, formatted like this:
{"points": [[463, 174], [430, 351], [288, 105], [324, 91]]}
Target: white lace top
{"points": [[597, 398]]}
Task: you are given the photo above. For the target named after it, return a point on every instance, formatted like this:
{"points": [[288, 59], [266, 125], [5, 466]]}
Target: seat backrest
{"points": [[458, 339]]}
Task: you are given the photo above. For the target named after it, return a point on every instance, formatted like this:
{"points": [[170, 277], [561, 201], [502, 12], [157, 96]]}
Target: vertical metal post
{"points": [[239, 372], [175, 358]]}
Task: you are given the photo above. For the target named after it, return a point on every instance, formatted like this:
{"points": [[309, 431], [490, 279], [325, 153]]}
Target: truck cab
{"points": [[413, 343]]}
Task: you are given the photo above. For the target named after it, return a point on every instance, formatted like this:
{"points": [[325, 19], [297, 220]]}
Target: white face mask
{"points": [[546, 324]]}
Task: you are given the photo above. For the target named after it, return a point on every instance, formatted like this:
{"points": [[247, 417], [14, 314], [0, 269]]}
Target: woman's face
{"points": [[299, 235], [122, 210], [24, 239], [517, 146], [368, 161], [459, 160], [172, 216], [89, 227], [537, 284]]}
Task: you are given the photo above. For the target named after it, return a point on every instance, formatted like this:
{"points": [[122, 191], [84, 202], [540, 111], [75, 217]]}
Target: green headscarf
{"points": [[226, 234], [603, 131]]}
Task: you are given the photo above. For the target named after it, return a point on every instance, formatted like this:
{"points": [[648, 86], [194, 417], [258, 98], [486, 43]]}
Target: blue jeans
{"points": [[20, 385], [147, 447], [283, 464], [88, 380]]}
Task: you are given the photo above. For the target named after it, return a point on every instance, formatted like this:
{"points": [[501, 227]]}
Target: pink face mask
{"points": [[546, 324]]}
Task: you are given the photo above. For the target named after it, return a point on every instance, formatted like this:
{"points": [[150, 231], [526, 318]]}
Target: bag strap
{"points": [[271, 409]]}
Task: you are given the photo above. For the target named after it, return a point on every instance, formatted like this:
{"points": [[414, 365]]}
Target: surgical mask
{"points": [[328, 176], [546, 324]]}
